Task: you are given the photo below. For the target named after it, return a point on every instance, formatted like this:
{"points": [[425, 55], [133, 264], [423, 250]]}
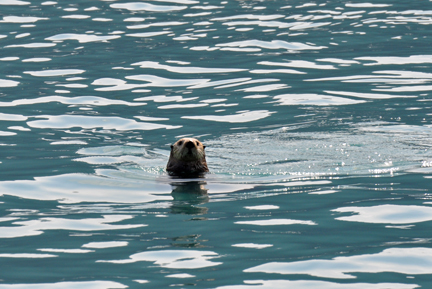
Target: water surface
{"points": [[317, 122]]}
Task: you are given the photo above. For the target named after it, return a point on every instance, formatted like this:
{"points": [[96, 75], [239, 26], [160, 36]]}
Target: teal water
{"points": [[316, 117]]}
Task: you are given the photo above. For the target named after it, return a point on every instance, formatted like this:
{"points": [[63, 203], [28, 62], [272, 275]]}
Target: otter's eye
{"points": [[197, 143], [180, 143]]}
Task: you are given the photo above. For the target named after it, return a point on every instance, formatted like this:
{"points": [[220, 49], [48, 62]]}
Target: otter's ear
{"points": [[204, 146], [172, 147]]}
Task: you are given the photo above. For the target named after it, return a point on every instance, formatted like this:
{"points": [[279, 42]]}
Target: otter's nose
{"points": [[190, 145]]}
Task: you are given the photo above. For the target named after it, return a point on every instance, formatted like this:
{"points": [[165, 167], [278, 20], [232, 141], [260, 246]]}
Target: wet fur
{"points": [[187, 158]]}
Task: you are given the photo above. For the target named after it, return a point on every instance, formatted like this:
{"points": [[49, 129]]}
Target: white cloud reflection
{"points": [[139, 6], [300, 284], [77, 188], [38, 226], [176, 259], [276, 222], [67, 285], [314, 99], [104, 245], [398, 260], [387, 214], [90, 122], [234, 118]]}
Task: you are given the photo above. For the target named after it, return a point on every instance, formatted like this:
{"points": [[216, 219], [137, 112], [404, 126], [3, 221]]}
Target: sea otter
{"points": [[187, 158]]}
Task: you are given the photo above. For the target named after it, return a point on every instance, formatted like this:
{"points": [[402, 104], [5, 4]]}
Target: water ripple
{"points": [[316, 118], [180, 259], [137, 6], [388, 260]]}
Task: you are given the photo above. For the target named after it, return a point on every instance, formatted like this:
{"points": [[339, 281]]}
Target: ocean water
{"points": [[317, 120]]}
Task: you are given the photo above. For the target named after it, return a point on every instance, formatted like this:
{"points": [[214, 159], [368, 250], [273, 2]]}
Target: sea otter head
{"points": [[188, 150], [187, 158]]}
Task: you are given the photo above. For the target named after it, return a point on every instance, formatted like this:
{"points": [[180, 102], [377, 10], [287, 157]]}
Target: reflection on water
{"points": [[390, 214], [70, 285], [39, 226], [188, 196], [76, 188], [399, 260], [178, 259], [317, 118], [280, 284]]}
